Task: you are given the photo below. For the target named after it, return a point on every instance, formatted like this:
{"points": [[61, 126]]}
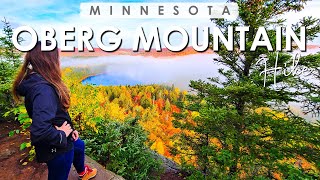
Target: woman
{"points": [[47, 101]]}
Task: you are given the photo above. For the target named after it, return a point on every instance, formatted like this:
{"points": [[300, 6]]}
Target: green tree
{"points": [[167, 105], [250, 144], [145, 101], [309, 82], [10, 60], [8, 50], [310, 86]]}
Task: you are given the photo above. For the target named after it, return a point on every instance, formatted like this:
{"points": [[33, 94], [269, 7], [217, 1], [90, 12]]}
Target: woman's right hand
{"points": [[66, 128]]}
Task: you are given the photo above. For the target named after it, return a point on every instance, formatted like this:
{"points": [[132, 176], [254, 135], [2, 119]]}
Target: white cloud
{"points": [[311, 9]]}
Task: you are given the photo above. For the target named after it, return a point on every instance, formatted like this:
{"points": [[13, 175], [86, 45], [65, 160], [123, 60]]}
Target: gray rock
{"points": [[102, 174], [6, 153], [168, 164]]}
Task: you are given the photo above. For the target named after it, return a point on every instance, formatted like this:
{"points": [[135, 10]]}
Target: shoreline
{"points": [[165, 53]]}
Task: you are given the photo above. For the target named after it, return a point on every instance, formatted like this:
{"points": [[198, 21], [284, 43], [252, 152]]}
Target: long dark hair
{"points": [[47, 64]]}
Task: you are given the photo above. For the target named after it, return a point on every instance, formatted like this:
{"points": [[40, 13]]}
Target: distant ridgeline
{"points": [[84, 36]]}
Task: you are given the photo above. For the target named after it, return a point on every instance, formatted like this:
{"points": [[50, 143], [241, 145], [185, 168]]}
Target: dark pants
{"points": [[60, 166]]}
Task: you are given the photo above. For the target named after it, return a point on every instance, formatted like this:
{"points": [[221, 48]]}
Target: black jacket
{"points": [[45, 110]]}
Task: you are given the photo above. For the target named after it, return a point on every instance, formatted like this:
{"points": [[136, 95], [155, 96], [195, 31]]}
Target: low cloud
{"points": [[148, 70]]}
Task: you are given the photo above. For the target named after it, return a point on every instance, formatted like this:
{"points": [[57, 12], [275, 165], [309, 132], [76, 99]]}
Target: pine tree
{"points": [[9, 62], [8, 51], [167, 106], [233, 137]]}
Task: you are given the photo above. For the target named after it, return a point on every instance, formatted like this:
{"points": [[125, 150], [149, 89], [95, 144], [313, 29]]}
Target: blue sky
{"points": [[58, 14]]}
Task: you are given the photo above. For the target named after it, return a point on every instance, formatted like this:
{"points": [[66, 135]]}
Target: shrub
{"points": [[121, 147]]}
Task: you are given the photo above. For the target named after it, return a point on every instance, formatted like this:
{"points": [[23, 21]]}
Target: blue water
{"points": [[110, 80]]}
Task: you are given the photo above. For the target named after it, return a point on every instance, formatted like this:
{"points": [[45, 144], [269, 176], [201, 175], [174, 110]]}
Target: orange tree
{"points": [[105, 116]]}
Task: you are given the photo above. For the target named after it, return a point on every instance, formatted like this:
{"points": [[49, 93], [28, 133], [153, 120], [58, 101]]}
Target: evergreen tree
{"points": [[310, 85], [145, 101], [233, 136], [8, 51], [167, 106], [9, 63]]}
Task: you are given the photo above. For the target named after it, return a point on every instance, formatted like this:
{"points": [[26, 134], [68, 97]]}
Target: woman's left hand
{"points": [[75, 135]]}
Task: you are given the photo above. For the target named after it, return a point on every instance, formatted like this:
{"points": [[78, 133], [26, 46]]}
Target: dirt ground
{"points": [[12, 158]]}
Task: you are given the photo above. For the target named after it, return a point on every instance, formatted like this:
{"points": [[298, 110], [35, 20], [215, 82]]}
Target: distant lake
{"points": [[132, 70], [110, 80]]}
